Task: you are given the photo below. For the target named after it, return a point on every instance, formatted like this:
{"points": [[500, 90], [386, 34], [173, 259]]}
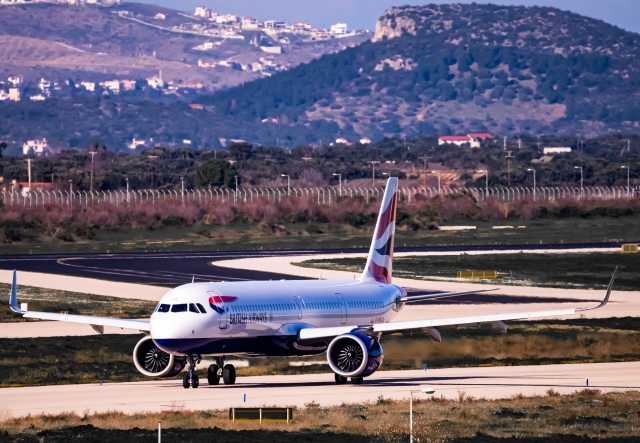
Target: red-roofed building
{"points": [[249, 23], [481, 135], [458, 140]]}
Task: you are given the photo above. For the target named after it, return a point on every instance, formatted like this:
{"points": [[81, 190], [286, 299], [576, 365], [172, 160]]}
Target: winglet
{"points": [[13, 300], [607, 295]]}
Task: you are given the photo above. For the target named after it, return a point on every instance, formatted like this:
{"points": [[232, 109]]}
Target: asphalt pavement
{"points": [[173, 269]]}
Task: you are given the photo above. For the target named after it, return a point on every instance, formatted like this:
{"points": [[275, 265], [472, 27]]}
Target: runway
{"points": [[297, 390]]}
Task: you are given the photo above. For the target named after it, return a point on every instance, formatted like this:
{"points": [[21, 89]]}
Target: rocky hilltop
{"points": [[455, 68]]}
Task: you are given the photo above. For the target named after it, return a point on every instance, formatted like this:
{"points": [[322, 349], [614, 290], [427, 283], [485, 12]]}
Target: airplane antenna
{"points": [[193, 279], [320, 276]]}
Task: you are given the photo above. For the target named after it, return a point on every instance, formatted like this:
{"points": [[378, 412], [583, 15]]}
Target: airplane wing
{"points": [[97, 323], [311, 334]]}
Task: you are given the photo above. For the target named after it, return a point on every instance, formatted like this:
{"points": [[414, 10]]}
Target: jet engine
{"points": [[152, 361], [355, 355]]}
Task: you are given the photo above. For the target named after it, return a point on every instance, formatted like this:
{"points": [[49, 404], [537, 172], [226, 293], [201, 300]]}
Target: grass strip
{"points": [[589, 270], [577, 417]]}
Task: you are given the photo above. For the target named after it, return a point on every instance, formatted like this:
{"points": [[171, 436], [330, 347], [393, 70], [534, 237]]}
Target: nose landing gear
{"points": [[191, 379]]}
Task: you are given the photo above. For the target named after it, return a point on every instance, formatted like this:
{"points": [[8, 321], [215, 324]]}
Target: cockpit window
{"points": [[192, 308], [179, 308], [163, 308], [201, 308]]}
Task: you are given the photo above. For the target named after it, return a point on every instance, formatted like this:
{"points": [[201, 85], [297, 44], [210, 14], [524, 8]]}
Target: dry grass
{"points": [[50, 300], [586, 413]]}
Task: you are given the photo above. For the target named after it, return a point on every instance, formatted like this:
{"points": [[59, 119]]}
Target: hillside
{"points": [[97, 43], [456, 68]]}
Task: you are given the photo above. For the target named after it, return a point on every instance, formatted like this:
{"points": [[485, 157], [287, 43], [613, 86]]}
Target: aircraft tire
{"points": [[229, 374], [340, 380], [195, 382], [356, 380], [185, 381], [212, 375]]}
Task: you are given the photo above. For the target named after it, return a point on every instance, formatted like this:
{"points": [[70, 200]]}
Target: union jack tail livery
{"points": [[381, 253]]}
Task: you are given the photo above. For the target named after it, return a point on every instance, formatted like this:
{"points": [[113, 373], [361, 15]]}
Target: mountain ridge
{"points": [[456, 68]]}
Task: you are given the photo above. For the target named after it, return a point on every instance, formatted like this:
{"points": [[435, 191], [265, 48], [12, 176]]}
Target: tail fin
{"points": [[381, 253]]}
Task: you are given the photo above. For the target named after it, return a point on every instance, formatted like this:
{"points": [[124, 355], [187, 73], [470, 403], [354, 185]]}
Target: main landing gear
{"points": [[220, 370], [340, 380]]}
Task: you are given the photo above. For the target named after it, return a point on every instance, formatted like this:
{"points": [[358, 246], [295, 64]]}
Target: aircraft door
{"points": [[343, 309], [217, 304], [298, 301]]}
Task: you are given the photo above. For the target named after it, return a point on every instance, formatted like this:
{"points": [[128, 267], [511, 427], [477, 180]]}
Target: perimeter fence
{"points": [[321, 195]]}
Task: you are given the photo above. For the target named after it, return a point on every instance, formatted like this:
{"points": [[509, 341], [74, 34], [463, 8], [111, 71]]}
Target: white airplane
{"points": [[344, 318]]}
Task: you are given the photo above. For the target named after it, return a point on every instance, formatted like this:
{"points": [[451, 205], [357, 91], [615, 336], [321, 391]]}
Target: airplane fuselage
{"points": [[263, 318]]}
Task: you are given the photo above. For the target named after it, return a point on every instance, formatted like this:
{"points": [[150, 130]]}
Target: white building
{"points": [[275, 24], [135, 143], [37, 146], [458, 140], [558, 150], [342, 141], [160, 16], [3, 95], [227, 19], [15, 80], [202, 11], [339, 28], [14, 94], [44, 85], [112, 85], [365, 141], [89, 86], [37, 98], [301, 27], [249, 23]]}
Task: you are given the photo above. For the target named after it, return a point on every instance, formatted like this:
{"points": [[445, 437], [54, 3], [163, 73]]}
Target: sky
{"points": [[363, 14]]}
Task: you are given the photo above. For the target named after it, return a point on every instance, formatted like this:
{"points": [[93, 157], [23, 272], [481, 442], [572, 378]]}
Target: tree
{"points": [[240, 151], [216, 173]]}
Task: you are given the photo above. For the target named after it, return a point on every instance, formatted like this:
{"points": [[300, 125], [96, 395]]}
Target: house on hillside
{"points": [[481, 136], [35, 147], [202, 11], [339, 28], [249, 23], [458, 140], [14, 94], [365, 141], [15, 80], [275, 24], [301, 27], [556, 150]]}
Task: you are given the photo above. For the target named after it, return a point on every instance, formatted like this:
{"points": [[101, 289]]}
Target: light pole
{"points": [[182, 181], [424, 168], [486, 183], [29, 160], [373, 172], [128, 198], [509, 157], [288, 183], [534, 183], [437, 172], [621, 167], [70, 191], [581, 179], [235, 197], [92, 153], [428, 391], [339, 181]]}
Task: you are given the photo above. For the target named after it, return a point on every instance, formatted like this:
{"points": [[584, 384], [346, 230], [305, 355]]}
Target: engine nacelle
{"points": [[355, 355], [152, 361]]}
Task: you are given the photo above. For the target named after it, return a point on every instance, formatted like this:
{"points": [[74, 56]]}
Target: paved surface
{"points": [[296, 390], [173, 269]]}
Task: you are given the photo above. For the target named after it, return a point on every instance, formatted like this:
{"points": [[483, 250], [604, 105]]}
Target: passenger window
{"points": [[179, 308], [201, 308], [164, 308], [192, 308]]}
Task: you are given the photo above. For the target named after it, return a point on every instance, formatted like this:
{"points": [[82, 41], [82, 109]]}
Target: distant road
{"points": [[296, 390], [173, 269]]}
